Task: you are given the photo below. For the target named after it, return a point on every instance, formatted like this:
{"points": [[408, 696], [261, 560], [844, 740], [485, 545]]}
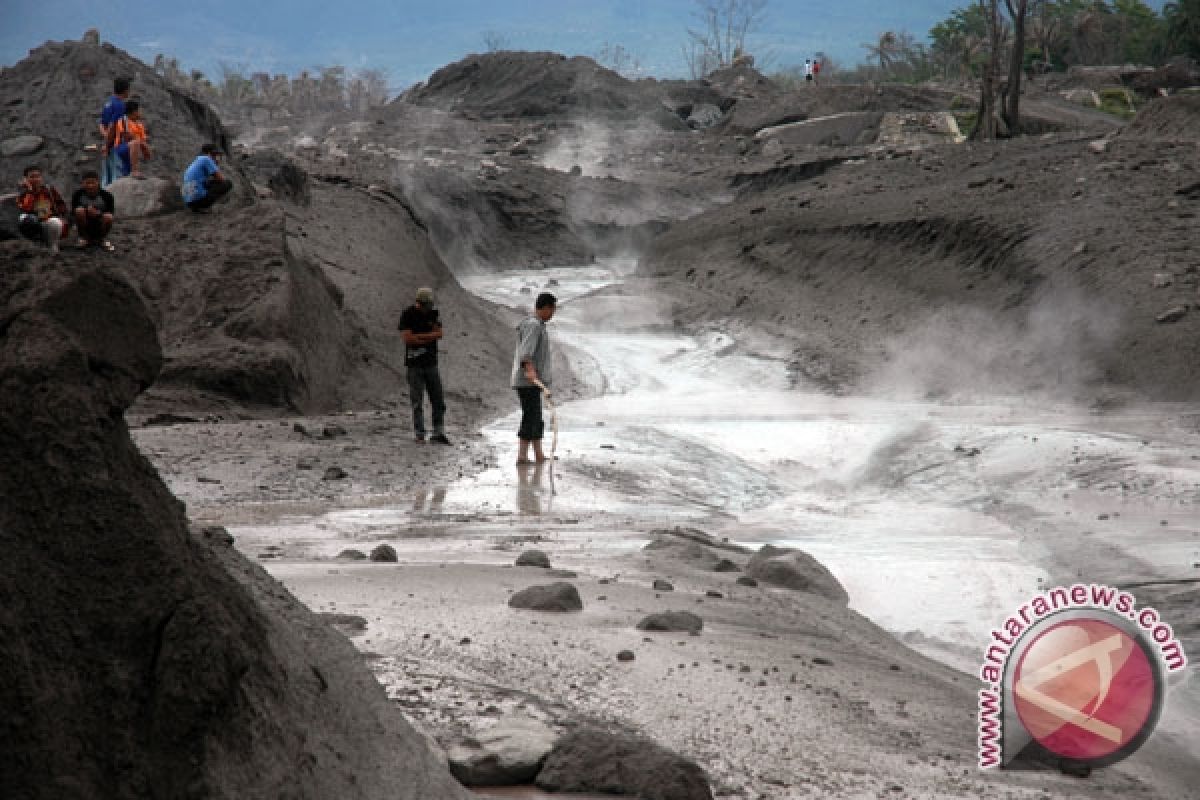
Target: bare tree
{"points": [[376, 83], [617, 58], [1017, 11], [495, 41], [985, 122], [721, 36]]}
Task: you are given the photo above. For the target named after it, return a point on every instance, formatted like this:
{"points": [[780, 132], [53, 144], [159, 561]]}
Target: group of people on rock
{"points": [[43, 214]]}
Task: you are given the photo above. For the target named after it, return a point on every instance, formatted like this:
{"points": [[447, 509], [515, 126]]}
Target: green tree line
{"points": [[1057, 34]]}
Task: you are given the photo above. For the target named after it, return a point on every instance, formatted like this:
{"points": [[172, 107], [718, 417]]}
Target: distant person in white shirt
{"points": [[808, 70]]}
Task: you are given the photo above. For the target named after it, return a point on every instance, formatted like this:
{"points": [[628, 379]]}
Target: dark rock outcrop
{"points": [[137, 659], [592, 760]]}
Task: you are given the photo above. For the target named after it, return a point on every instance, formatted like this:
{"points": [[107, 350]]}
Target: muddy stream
{"points": [[939, 519]]}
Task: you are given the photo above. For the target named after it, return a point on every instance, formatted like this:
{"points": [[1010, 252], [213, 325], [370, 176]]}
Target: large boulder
{"points": [[138, 659], [560, 596], [794, 569], [24, 145], [592, 760], [144, 198], [509, 753]]}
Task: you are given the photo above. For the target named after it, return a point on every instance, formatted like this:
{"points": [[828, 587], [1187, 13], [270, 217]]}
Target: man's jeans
{"points": [[532, 425], [420, 380]]}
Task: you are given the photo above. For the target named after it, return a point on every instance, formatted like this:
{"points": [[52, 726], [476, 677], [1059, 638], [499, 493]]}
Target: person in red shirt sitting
{"points": [[43, 214]]}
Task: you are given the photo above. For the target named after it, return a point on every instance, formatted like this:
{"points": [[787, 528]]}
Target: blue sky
{"points": [[411, 39]]}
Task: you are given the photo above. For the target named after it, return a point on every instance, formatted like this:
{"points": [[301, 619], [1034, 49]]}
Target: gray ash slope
{"points": [[1039, 263], [259, 304], [140, 659]]}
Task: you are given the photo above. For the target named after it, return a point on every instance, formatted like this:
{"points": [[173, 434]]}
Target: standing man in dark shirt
{"points": [[421, 328], [93, 210]]}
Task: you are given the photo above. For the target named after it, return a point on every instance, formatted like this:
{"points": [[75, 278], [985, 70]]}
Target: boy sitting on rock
{"points": [[93, 209], [132, 147], [43, 213]]}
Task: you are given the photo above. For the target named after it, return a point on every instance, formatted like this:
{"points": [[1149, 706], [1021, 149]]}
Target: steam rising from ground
{"points": [[600, 149], [961, 352]]}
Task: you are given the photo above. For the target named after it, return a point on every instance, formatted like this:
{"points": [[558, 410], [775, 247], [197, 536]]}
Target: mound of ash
{"points": [[137, 659], [516, 84], [1175, 118]]}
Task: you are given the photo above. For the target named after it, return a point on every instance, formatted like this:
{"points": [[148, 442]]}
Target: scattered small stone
{"points": [[625, 655], [206, 479], [671, 621], [746, 580], [465, 640], [533, 558], [713, 593], [385, 553], [1171, 315], [1102, 517], [298, 428], [555, 597], [1163, 279], [1080, 249], [663, 586], [1099, 146], [725, 565], [352, 555], [334, 474], [306, 463], [333, 431], [822, 662], [351, 621]]}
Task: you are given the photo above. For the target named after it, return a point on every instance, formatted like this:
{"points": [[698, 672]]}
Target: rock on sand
{"points": [[672, 621], [592, 760], [509, 753], [793, 569], [559, 596]]}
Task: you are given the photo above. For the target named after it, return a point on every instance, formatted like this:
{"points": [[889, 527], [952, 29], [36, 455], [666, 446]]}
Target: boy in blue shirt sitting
{"points": [[203, 183]]}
